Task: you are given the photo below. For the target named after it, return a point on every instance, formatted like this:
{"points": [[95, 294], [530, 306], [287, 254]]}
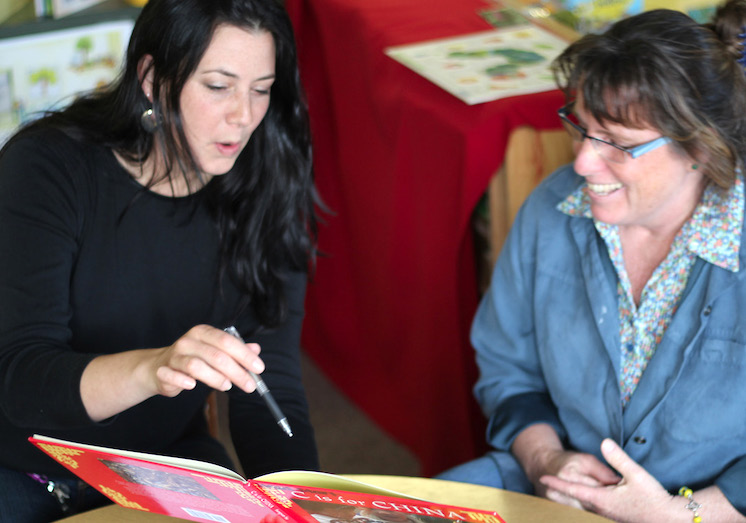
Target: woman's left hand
{"points": [[637, 497]]}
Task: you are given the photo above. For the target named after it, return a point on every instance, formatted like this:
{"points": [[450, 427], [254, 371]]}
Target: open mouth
{"points": [[228, 147], [603, 189]]}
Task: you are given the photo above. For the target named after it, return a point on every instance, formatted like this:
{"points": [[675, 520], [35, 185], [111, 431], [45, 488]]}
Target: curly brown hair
{"points": [[662, 69]]}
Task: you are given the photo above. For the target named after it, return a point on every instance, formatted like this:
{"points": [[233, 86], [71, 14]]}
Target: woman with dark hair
{"points": [[611, 343], [138, 224]]}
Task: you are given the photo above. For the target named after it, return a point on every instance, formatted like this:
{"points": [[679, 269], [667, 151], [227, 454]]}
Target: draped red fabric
{"points": [[401, 163]]}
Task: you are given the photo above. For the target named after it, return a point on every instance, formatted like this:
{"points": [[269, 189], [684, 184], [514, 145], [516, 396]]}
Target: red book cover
{"points": [[199, 491], [320, 505]]}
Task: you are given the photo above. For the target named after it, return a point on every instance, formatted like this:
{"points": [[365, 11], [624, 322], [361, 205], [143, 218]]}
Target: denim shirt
{"points": [[547, 340], [713, 233]]}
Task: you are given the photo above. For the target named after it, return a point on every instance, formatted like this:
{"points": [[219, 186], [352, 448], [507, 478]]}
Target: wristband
{"points": [[692, 505]]}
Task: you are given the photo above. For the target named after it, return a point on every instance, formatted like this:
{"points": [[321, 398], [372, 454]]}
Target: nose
{"points": [[587, 160], [240, 113]]}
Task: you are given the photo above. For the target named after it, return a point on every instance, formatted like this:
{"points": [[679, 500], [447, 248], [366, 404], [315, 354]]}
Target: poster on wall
{"points": [[60, 8], [46, 71], [594, 16]]}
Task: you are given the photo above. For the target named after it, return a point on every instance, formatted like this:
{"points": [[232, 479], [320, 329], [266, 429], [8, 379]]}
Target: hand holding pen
{"points": [[264, 392], [113, 383]]}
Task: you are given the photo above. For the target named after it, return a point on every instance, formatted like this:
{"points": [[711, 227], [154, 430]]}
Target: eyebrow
{"points": [[610, 136], [270, 76]]}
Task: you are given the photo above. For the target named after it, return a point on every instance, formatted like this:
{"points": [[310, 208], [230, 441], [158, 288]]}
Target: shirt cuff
{"points": [[519, 412]]}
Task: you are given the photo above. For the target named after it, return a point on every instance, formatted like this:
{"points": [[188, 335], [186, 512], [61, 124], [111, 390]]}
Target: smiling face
{"points": [[657, 190], [227, 96]]}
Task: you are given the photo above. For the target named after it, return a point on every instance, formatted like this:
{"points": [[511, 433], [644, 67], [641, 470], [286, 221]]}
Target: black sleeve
{"points": [[39, 222], [261, 445]]}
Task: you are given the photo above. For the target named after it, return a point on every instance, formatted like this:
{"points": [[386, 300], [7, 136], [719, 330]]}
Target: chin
{"points": [[218, 170], [604, 216], [218, 173]]}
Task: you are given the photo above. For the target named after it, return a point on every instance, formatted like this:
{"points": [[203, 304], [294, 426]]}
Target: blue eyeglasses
{"points": [[606, 150]]}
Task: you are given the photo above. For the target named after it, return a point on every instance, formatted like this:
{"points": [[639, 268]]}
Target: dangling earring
{"points": [[148, 120], [695, 166]]}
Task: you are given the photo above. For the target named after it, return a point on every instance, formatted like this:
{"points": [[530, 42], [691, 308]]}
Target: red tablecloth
{"points": [[402, 164]]}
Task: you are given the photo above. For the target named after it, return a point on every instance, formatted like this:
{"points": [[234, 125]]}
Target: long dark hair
{"points": [[265, 206], [664, 69]]}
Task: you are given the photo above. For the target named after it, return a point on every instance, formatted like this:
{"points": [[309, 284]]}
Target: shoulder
{"points": [[541, 228], [46, 168], [45, 149], [542, 203], [40, 138], [558, 185], [48, 150]]}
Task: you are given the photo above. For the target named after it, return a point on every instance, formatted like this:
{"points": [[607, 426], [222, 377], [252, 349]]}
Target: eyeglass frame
{"points": [[633, 152]]}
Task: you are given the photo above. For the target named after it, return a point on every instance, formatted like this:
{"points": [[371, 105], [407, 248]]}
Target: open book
{"points": [[201, 491]]}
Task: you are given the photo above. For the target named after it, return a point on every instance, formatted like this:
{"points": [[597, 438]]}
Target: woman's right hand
{"points": [[209, 355], [112, 383]]}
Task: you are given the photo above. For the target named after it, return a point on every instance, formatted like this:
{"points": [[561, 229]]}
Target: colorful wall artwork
{"points": [[45, 71]]}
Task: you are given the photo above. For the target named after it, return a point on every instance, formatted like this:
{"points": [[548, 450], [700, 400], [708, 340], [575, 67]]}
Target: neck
{"points": [[151, 174], [665, 224]]}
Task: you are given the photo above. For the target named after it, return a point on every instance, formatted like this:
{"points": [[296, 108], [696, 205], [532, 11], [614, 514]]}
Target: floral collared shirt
{"points": [[713, 233]]}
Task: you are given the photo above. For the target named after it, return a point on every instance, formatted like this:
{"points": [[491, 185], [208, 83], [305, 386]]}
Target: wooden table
{"points": [[513, 507]]}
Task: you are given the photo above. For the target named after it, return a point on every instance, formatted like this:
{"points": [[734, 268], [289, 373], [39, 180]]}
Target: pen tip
{"points": [[283, 423]]}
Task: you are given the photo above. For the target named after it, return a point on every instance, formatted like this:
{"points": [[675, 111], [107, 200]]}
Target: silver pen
{"points": [[263, 391]]}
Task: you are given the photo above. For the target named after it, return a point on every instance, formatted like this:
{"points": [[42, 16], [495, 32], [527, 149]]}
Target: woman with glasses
{"points": [[612, 341]]}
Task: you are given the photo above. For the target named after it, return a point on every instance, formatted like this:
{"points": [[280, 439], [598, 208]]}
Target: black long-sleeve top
{"points": [[91, 264]]}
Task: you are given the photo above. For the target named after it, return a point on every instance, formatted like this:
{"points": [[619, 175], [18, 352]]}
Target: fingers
{"points": [[578, 482], [586, 469], [602, 473], [237, 349], [617, 458], [570, 493], [211, 356], [617, 500], [171, 382], [558, 496]]}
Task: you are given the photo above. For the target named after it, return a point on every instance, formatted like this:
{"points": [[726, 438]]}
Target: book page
{"points": [[192, 464], [186, 489], [326, 505], [199, 491], [323, 480]]}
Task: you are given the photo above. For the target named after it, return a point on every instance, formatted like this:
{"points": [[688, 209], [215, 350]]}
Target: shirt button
{"points": [[640, 440], [707, 310]]}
